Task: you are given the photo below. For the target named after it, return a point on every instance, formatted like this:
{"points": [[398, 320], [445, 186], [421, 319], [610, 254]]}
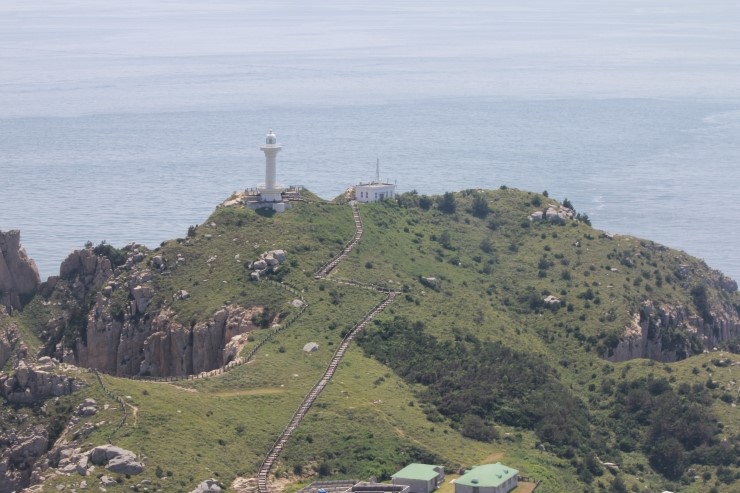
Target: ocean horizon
{"points": [[131, 122]]}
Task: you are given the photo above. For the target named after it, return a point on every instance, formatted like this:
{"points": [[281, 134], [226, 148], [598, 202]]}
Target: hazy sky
{"points": [[86, 56]]}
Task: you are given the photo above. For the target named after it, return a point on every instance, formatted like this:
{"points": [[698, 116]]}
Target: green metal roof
{"points": [[423, 472], [490, 475]]}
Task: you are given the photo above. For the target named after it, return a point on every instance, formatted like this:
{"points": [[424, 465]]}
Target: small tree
{"points": [[447, 203], [474, 427], [480, 206], [618, 485], [445, 239], [486, 245]]}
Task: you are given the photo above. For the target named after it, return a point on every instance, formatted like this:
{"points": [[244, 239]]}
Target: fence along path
{"points": [[322, 273], [310, 398], [325, 269]]}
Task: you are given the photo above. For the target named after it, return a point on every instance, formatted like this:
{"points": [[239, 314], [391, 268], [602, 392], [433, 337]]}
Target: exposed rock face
{"points": [[174, 349], [19, 276], [30, 384], [86, 270], [10, 343], [116, 459], [267, 263], [669, 333], [156, 343], [121, 333], [20, 451], [559, 214], [208, 486]]}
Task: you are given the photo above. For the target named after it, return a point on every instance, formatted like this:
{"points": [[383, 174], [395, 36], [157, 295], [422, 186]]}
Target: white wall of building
{"points": [[374, 192]]}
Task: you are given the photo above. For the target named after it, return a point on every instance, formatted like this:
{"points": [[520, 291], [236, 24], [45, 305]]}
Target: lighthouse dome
{"points": [[271, 138]]}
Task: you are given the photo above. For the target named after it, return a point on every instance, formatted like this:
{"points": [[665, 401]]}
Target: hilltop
{"points": [[520, 333]]}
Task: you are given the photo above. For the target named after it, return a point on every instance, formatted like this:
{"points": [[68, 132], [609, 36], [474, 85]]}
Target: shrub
{"points": [[480, 206], [474, 427], [324, 469], [116, 256], [447, 203]]}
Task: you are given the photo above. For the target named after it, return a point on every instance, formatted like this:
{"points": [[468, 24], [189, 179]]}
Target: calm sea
{"points": [[129, 121]]}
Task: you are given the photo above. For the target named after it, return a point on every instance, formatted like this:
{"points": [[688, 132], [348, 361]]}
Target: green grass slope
{"points": [[467, 366]]}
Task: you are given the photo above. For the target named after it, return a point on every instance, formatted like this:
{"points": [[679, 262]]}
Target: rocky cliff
{"points": [[24, 443], [111, 325], [31, 383], [19, 276], [669, 331]]}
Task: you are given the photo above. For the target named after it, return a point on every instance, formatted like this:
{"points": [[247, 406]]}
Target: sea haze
{"points": [[131, 121]]}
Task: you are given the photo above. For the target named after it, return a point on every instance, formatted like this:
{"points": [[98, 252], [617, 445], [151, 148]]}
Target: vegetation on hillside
{"points": [[468, 365]]}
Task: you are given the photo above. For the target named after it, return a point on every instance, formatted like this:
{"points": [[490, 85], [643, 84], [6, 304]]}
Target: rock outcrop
{"points": [[554, 214], [668, 333], [155, 343], [86, 271], [20, 451], [175, 350], [19, 276], [118, 329], [116, 459], [11, 344], [30, 384], [268, 262], [208, 486]]}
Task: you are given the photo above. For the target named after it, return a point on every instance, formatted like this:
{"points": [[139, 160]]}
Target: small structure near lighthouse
{"points": [[376, 190], [270, 194]]}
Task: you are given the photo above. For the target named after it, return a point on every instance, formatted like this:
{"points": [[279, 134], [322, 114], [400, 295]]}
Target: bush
{"points": [[480, 206], [474, 427], [324, 469], [447, 203], [116, 256]]}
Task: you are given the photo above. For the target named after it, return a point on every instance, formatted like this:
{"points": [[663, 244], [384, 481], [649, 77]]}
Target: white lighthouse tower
{"points": [[272, 192]]}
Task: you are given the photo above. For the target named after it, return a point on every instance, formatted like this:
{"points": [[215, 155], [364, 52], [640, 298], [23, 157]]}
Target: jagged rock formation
{"points": [[133, 341], [86, 270], [20, 451], [31, 383], [119, 333], [208, 486], [559, 214], [175, 350], [269, 262], [116, 459], [11, 345], [669, 333], [19, 276]]}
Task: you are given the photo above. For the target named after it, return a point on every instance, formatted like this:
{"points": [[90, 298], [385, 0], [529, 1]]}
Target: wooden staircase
{"points": [[308, 401], [325, 269], [314, 393]]}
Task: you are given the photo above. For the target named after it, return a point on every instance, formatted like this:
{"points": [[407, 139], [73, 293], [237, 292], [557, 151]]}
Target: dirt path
{"points": [[236, 393]]}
